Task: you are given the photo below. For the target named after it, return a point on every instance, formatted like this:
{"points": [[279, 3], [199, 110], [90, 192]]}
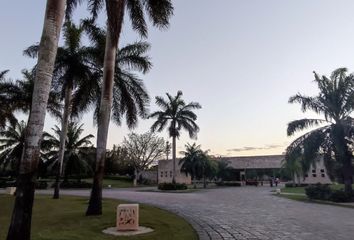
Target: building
{"points": [[248, 168], [254, 167], [165, 173]]}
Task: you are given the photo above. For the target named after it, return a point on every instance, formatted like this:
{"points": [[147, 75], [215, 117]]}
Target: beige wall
{"points": [[317, 174], [165, 172]]}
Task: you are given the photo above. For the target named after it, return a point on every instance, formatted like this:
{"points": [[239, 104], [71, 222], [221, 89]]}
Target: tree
{"points": [[159, 12], [117, 162], [192, 161], [224, 170], [19, 94], [11, 147], [6, 110], [72, 70], [178, 115], [292, 165], [143, 150], [130, 97], [331, 139], [20, 226], [76, 154]]}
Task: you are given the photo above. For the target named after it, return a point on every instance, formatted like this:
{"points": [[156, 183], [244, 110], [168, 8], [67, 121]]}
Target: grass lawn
{"points": [[115, 183], [302, 189], [64, 219], [303, 198]]}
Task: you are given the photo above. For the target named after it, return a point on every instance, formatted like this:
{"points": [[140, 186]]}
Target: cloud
{"points": [[266, 147]]}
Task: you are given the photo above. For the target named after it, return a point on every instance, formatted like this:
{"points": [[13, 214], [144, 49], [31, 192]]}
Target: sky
{"points": [[241, 60]]}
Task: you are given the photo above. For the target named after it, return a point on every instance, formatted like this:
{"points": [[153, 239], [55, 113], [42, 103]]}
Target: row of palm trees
{"points": [[76, 155], [84, 77], [331, 137]]}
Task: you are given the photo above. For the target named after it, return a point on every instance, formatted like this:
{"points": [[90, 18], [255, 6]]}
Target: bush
{"points": [[122, 178], [228, 184], [289, 185], [5, 184], [75, 184], [318, 191], [171, 186], [341, 196]]}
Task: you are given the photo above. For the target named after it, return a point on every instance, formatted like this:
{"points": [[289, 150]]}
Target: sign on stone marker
{"points": [[128, 217]]}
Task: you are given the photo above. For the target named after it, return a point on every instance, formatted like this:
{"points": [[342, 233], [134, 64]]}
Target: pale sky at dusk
{"points": [[241, 60]]}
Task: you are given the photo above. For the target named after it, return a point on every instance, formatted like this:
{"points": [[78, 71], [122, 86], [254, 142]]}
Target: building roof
{"points": [[254, 162]]}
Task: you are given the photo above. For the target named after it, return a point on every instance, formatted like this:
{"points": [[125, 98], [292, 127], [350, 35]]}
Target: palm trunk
{"points": [[63, 134], [343, 155], [20, 226], [174, 159], [95, 203]]}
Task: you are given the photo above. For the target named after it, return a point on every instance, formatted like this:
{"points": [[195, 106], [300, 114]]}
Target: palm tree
{"points": [[20, 226], [130, 97], [11, 146], [159, 12], [178, 115], [292, 166], [6, 110], [224, 169], [114, 24], [19, 94], [192, 161], [331, 139], [72, 69], [76, 150]]}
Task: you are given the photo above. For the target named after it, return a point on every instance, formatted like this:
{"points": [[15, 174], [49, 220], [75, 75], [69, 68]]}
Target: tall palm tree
{"points": [[331, 139], [130, 97], [72, 69], [179, 115], [159, 12], [20, 226], [76, 150]]}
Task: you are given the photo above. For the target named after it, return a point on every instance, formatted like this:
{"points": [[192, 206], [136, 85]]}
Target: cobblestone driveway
{"points": [[248, 213]]}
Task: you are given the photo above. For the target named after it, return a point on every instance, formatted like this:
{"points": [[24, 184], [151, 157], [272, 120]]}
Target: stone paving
{"points": [[247, 213]]}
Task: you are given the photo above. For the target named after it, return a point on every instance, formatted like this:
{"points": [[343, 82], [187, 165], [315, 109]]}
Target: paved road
{"points": [[247, 213]]}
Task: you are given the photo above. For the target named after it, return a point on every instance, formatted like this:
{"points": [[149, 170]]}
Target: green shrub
{"points": [[122, 178], [318, 191], [288, 185], [172, 186], [2, 184], [5, 184], [75, 184], [341, 196], [228, 184]]}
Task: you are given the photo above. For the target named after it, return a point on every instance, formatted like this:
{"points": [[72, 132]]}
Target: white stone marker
{"points": [[11, 190], [278, 191], [128, 217]]}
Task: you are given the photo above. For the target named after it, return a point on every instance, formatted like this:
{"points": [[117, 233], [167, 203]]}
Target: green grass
{"points": [[302, 189], [303, 198], [115, 183], [64, 219]]}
